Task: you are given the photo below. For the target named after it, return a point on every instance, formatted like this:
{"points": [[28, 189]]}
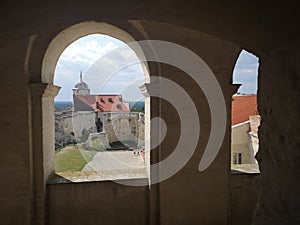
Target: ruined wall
{"points": [[121, 130], [64, 122], [102, 137], [117, 126], [254, 141], [74, 122], [63, 127], [125, 127], [83, 124], [279, 155]]}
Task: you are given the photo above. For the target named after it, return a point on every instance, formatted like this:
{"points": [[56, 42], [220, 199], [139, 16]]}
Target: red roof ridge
{"points": [[104, 103], [243, 106]]}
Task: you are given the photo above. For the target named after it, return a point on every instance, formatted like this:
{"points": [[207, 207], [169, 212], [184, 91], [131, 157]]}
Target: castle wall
{"points": [[83, 124], [80, 106], [124, 127]]}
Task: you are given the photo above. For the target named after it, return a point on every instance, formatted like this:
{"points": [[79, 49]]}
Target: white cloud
{"points": [[95, 56], [85, 52], [245, 73]]}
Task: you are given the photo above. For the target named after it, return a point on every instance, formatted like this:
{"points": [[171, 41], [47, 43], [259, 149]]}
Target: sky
{"points": [[109, 66], [245, 73]]}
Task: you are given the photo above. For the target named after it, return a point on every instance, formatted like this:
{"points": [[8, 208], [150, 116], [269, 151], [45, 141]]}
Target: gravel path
{"points": [[117, 165]]}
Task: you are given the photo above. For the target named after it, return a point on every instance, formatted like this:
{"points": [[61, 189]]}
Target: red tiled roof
{"points": [[243, 106], [104, 103]]}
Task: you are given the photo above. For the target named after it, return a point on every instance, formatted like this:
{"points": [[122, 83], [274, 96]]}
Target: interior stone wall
{"points": [[207, 193], [279, 155], [190, 196], [27, 28], [243, 198], [92, 203], [16, 146]]}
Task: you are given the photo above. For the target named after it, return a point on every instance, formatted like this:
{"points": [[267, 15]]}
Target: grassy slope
{"points": [[71, 158]]}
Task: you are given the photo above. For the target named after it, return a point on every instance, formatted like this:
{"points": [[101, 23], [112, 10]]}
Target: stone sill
{"points": [[245, 169], [92, 176]]}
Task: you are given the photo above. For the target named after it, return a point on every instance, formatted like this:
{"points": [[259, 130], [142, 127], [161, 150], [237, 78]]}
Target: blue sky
{"points": [[245, 73], [110, 71]]}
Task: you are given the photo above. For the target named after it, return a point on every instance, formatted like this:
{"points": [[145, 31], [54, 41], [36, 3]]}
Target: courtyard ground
{"points": [[76, 164], [72, 158]]}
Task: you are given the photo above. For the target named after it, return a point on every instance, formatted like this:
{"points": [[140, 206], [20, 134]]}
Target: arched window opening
{"points": [[245, 118], [99, 111]]}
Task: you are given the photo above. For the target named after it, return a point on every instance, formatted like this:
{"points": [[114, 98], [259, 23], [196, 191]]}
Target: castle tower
{"points": [[81, 88]]}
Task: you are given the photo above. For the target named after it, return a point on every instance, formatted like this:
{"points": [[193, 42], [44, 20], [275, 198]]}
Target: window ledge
{"points": [[245, 169], [92, 176]]}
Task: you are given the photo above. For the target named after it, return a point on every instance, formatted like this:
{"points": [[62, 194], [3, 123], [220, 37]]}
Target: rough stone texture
{"points": [[279, 155], [254, 143], [205, 193], [16, 150], [103, 139], [80, 124], [242, 198], [92, 203]]}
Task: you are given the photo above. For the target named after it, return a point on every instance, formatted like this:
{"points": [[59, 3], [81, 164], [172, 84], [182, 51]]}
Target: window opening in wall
{"points": [[99, 115], [237, 158], [245, 118]]}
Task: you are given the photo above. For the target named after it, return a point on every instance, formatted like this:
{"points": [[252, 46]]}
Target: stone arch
{"points": [[71, 34], [49, 91], [128, 122], [122, 126]]}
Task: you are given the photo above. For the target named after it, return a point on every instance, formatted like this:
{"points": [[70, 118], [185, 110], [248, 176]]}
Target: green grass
{"points": [[72, 159], [96, 143]]}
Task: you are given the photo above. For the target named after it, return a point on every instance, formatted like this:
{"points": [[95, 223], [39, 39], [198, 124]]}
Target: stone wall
{"points": [[83, 124], [243, 198], [216, 31], [123, 126], [63, 119], [254, 141], [103, 202], [279, 155], [73, 127]]}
